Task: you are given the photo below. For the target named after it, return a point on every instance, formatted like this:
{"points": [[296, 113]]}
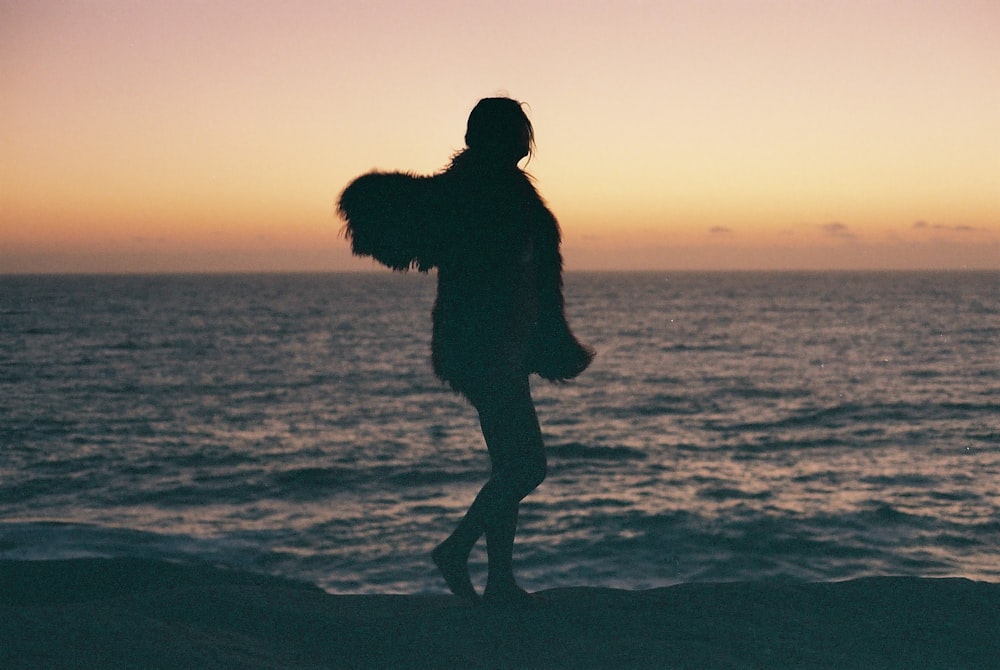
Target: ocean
{"points": [[734, 426]]}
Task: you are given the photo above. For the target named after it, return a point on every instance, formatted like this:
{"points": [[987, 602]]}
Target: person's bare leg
{"points": [[513, 438], [452, 558], [493, 512], [501, 587]]}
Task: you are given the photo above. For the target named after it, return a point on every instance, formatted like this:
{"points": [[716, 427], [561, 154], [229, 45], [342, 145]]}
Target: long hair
{"points": [[498, 128]]}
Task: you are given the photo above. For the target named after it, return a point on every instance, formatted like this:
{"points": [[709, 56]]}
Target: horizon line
{"points": [[569, 271]]}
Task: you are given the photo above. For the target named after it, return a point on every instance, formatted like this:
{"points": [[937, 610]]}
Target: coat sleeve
{"points": [[555, 353], [390, 217]]}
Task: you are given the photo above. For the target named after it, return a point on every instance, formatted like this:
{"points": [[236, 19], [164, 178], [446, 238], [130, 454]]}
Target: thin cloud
{"points": [[837, 229], [960, 228], [720, 230]]}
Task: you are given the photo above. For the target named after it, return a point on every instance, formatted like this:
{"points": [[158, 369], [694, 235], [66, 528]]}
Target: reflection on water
{"points": [[732, 427]]}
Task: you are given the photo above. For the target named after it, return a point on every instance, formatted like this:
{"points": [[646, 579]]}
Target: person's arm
{"points": [[390, 217], [556, 354]]}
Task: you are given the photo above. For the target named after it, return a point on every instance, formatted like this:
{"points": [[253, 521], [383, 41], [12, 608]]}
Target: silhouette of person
{"points": [[498, 316]]}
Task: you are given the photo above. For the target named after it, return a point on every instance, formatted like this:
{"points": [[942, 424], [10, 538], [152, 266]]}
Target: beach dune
{"points": [[136, 613]]}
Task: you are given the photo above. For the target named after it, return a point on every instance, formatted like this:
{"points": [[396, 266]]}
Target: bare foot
{"points": [[454, 567], [508, 595]]}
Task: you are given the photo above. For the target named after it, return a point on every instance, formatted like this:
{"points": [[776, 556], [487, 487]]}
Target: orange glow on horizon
{"points": [[162, 136]]}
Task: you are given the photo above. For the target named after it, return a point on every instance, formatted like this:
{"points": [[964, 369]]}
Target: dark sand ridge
{"points": [[131, 613]]}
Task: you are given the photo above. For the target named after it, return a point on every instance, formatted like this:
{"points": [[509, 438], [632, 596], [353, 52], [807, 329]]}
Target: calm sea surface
{"points": [[733, 426]]}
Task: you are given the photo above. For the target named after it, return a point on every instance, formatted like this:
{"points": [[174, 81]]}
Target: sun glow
{"points": [[162, 135]]}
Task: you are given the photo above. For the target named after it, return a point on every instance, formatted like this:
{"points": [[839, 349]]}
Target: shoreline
{"points": [[127, 613]]}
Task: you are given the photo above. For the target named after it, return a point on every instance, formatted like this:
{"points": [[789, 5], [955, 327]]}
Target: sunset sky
{"points": [[147, 136]]}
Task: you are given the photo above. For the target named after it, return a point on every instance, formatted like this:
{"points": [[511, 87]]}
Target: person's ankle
{"points": [[452, 563], [506, 592], [502, 585]]}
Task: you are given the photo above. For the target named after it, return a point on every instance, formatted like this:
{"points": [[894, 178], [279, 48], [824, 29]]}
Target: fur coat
{"points": [[499, 308]]}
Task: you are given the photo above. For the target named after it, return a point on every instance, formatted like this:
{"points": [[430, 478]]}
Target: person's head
{"points": [[499, 129]]}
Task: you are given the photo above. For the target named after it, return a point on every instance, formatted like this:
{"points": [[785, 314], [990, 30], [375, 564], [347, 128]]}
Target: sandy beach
{"points": [[131, 613]]}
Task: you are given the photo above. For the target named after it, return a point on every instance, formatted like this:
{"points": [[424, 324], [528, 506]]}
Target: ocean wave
{"points": [[833, 430], [577, 451], [725, 494], [875, 416], [312, 482], [57, 540]]}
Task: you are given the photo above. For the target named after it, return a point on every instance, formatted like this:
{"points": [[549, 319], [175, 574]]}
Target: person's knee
{"points": [[532, 472]]}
